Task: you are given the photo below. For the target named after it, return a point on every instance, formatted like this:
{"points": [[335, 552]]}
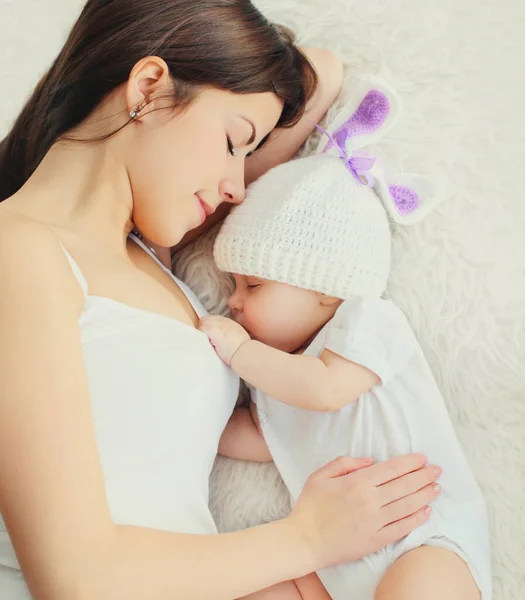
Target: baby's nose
{"points": [[234, 303]]}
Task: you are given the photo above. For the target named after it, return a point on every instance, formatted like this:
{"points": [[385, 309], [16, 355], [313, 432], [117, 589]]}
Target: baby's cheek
{"points": [[275, 333], [259, 323], [254, 322]]}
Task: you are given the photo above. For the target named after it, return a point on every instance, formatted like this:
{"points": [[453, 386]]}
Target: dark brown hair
{"points": [[227, 44]]}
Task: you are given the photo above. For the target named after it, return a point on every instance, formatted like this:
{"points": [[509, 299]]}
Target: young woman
{"points": [[111, 401]]}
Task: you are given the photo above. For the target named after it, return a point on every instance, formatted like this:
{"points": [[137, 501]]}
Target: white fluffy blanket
{"points": [[459, 275]]}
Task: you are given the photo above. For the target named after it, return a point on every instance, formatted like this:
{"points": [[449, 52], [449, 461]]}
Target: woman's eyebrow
{"points": [[254, 131]]}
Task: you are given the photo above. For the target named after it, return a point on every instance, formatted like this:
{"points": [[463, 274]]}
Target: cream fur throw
{"points": [[460, 275]]}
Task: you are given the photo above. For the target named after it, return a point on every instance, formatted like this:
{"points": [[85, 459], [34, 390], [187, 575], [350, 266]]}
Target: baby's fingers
{"points": [[208, 328], [207, 324], [206, 321], [202, 323]]}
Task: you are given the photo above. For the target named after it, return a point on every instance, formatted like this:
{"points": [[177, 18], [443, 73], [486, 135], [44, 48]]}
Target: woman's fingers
{"points": [[396, 467], [400, 509], [408, 484], [343, 516], [343, 465], [395, 531]]}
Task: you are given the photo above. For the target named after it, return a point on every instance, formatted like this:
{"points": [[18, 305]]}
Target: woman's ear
{"points": [[326, 300], [149, 78]]}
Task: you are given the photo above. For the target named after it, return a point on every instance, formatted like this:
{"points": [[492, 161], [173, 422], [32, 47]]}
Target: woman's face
{"points": [[182, 167]]}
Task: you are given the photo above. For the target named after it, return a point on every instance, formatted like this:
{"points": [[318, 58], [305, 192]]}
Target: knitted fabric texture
{"points": [[310, 224]]}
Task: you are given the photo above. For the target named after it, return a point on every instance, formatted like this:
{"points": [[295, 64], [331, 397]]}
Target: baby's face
{"points": [[277, 314]]}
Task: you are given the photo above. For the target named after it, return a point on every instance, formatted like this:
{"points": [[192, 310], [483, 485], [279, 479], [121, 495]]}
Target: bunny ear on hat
{"points": [[406, 197], [373, 109], [369, 113]]}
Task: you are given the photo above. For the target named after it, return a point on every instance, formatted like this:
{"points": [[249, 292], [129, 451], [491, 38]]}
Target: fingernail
{"points": [[368, 461], [428, 510], [437, 488], [437, 471]]}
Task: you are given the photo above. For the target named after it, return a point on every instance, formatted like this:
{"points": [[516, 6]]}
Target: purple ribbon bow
{"points": [[359, 166]]}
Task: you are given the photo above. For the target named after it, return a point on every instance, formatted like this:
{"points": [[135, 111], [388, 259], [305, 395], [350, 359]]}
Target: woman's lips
{"points": [[205, 209]]}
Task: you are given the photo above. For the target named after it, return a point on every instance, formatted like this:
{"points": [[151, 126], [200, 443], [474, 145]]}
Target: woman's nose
{"points": [[232, 193], [232, 189]]}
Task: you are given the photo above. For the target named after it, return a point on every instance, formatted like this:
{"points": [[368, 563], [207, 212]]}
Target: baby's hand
{"points": [[226, 336]]}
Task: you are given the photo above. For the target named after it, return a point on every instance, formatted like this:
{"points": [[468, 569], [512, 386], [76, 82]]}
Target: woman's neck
{"points": [[80, 188], [163, 254]]}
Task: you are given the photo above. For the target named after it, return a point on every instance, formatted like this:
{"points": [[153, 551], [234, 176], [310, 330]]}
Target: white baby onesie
{"points": [[402, 414]]}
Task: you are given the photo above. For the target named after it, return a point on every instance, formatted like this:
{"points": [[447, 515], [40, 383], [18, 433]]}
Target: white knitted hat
{"points": [[310, 224], [320, 223]]}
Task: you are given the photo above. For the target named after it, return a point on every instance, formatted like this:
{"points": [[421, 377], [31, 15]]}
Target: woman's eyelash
{"points": [[231, 149], [252, 285]]}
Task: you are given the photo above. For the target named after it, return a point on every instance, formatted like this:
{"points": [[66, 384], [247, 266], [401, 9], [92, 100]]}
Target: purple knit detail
{"points": [[405, 199], [369, 117]]}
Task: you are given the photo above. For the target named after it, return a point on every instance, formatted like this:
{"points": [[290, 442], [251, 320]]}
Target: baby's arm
{"points": [[242, 439], [324, 384]]}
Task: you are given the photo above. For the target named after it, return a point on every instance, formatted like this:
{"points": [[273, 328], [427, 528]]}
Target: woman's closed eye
{"points": [[249, 140], [259, 145], [231, 149]]}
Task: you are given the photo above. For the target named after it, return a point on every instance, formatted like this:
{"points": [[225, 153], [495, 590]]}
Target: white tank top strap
{"points": [[190, 295], [76, 270]]}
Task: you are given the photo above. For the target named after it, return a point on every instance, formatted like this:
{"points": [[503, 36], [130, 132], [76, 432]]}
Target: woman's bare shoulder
{"points": [[30, 253], [18, 228]]}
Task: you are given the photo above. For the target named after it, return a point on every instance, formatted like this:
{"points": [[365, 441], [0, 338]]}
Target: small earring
{"points": [[135, 112]]}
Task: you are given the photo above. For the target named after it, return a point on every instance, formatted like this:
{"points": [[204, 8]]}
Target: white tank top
{"points": [[160, 400]]}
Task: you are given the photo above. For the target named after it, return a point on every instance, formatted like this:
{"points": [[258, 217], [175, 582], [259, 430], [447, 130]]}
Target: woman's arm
{"points": [[283, 144], [52, 492]]}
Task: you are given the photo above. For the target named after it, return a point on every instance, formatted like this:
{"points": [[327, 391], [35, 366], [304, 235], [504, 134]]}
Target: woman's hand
{"points": [[350, 509], [225, 335]]}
